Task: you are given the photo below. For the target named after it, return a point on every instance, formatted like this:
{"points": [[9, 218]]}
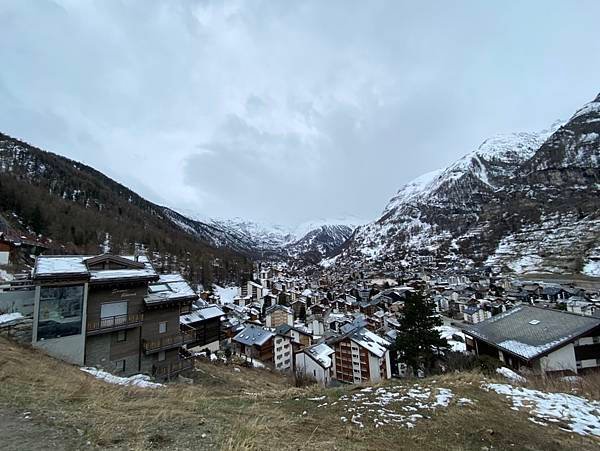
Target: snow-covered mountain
{"points": [[310, 241], [529, 201]]}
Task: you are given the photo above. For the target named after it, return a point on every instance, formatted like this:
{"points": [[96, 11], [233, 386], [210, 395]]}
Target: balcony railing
{"points": [[168, 342], [111, 323], [170, 369]]}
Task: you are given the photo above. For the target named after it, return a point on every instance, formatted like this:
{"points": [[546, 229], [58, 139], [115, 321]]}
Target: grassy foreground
{"points": [[46, 404]]}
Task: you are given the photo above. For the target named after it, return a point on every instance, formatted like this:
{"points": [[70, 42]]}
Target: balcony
{"points": [[167, 370], [168, 342], [113, 323]]}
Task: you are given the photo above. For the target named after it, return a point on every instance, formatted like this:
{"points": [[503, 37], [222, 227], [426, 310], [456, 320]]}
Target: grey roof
{"points": [[202, 314], [253, 335], [530, 332]]}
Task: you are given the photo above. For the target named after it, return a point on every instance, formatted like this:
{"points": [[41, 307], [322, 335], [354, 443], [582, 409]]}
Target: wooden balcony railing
{"points": [[114, 323], [170, 369], [169, 342]]}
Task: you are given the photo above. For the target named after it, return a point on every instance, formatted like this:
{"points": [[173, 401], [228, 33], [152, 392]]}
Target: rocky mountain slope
{"points": [[526, 201], [311, 241]]}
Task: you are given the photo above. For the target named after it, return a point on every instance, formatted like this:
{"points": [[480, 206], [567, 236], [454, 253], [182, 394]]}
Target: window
{"points": [[121, 336], [596, 340], [120, 365], [60, 312], [162, 327], [161, 356], [112, 309]]}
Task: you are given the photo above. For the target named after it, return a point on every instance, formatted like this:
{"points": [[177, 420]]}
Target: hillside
{"points": [[75, 206], [47, 404], [525, 201]]}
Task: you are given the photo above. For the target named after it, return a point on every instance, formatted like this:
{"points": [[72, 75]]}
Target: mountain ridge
{"points": [[510, 185]]}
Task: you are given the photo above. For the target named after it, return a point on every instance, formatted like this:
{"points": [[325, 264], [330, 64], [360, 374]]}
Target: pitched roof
{"points": [[321, 354], [253, 335], [76, 267], [170, 287], [203, 314], [530, 332]]}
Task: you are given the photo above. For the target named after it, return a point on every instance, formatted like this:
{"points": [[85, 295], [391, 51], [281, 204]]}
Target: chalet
{"points": [[538, 340], [361, 356], [111, 312], [278, 314], [255, 343], [316, 362]]}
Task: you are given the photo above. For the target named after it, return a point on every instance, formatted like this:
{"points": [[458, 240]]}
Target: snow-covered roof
{"points": [[321, 353], [212, 311], [170, 287], [372, 342], [530, 332], [76, 267], [253, 335], [60, 265]]}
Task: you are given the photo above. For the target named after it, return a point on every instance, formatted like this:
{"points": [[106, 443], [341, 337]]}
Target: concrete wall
{"points": [[70, 349], [21, 301], [562, 359], [312, 369]]}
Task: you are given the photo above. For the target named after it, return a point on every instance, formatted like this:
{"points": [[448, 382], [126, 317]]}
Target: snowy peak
{"points": [[498, 200]]}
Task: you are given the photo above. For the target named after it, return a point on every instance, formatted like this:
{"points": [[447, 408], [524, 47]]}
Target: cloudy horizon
{"points": [[286, 112]]}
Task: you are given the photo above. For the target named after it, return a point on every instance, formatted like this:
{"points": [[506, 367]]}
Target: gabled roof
{"points": [[321, 354], [53, 267], [203, 314], [170, 287], [253, 335], [531, 332], [278, 307]]}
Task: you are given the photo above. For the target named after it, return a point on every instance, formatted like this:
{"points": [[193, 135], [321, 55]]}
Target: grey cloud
{"points": [[286, 111]]}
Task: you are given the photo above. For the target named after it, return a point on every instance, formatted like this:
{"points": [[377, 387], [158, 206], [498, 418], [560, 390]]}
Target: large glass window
{"points": [[61, 310]]}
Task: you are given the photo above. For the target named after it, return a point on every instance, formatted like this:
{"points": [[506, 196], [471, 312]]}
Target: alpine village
{"points": [[465, 316]]}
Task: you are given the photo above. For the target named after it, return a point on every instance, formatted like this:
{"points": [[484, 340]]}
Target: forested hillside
{"points": [[75, 206]]}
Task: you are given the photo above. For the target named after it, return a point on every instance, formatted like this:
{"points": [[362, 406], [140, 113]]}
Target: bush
{"points": [[487, 365]]}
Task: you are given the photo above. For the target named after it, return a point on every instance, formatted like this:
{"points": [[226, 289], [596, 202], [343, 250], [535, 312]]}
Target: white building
{"points": [[316, 362]]}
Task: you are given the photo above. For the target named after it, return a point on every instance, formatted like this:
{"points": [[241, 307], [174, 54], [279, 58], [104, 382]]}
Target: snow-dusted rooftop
{"points": [[321, 353], [253, 335], [372, 342], [212, 311], [78, 267], [530, 332]]}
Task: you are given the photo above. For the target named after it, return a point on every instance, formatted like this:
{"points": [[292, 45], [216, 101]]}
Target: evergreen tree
{"points": [[418, 342]]}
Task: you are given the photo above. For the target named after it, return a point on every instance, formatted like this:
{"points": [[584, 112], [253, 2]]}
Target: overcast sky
{"points": [[286, 111]]}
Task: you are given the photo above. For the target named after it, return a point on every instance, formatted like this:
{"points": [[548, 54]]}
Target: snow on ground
{"points": [[398, 405], [511, 375], [451, 333], [10, 317], [137, 380], [255, 363], [6, 276], [571, 413], [226, 294], [592, 268]]}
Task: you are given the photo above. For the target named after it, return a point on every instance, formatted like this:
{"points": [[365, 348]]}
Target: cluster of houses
{"points": [[117, 313]]}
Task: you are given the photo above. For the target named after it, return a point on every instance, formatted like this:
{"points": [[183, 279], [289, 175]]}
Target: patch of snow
{"points": [[137, 380], [10, 317], [577, 414], [511, 375], [226, 294], [451, 333]]}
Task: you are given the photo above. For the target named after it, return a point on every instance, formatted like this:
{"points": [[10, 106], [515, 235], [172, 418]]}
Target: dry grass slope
{"points": [[226, 409]]}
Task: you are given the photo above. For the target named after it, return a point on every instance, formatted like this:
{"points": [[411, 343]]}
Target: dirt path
{"points": [[23, 431]]}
